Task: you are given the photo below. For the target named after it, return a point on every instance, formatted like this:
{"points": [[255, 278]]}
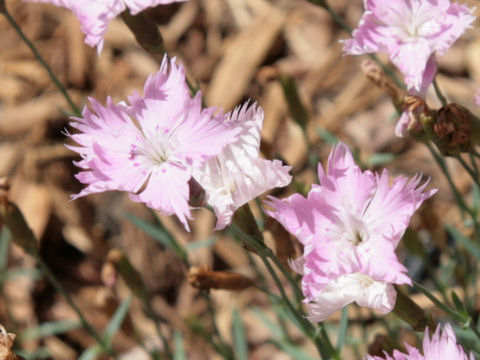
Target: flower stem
{"points": [[266, 254], [58, 84], [447, 309], [440, 96], [471, 171], [458, 197]]}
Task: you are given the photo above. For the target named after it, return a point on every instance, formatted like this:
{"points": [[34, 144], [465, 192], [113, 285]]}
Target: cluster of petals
{"points": [[95, 15], [155, 146], [441, 346], [412, 33], [237, 175], [150, 147], [350, 225]]}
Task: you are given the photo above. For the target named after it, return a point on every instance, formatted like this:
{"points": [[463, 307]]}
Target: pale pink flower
{"points": [[150, 147], [95, 15], [237, 175], [350, 225], [442, 346], [411, 32]]}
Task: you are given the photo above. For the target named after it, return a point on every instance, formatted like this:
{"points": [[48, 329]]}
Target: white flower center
{"points": [[355, 230], [156, 149]]}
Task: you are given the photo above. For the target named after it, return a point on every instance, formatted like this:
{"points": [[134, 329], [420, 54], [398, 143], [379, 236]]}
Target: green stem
{"points": [[266, 254], [458, 197], [440, 96], [76, 111], [474, 165], [467, 167], [448, 310]]}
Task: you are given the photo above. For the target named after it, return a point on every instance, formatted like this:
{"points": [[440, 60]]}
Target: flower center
{"points": [[355, 230], [156, 149]]}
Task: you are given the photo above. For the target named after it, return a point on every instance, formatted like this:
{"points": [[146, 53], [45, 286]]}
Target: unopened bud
{"points": [[204, 279]]}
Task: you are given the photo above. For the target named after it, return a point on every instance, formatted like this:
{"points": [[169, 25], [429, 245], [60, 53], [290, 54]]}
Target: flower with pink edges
{"points": [[412, 33], [350, 225], [441, 346], [95, 15], [237, 175], [149, 148]]}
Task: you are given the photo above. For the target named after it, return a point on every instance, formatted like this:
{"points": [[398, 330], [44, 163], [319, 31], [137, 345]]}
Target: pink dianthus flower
{"points": [[95, 15], [411, 32], [149, 148], [237, 175], [350, 225], [442, 346]]}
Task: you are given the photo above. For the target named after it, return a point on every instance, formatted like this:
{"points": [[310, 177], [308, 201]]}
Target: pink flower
{"points": [[442, 345], [411, 32], [237, 175], [350, 225], [150, 147], [95, 15]]}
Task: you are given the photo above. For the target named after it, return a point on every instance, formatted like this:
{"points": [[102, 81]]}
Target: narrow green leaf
{"points": [[471, 247], [378, 159], [342, 329], [12, 274], [158, 233], [179, 348], [203, 243], [458, 303], [476, 198], [239, 340], [326, 135], [91, 353], [49, 329], [4, 246], [297, 110], [294, 351], [41, 353], [116, 321], [274, 328]]}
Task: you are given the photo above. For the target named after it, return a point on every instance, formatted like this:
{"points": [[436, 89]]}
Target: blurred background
{"points": [[234, 50]]}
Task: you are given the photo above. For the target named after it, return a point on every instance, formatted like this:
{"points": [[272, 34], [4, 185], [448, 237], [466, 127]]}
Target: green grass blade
{"points": [[239, 339], [159, 234], [471, 247], [116, 321], [294, 351], [179, 347], [91, 353], [342, 329], [49, 329]]}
